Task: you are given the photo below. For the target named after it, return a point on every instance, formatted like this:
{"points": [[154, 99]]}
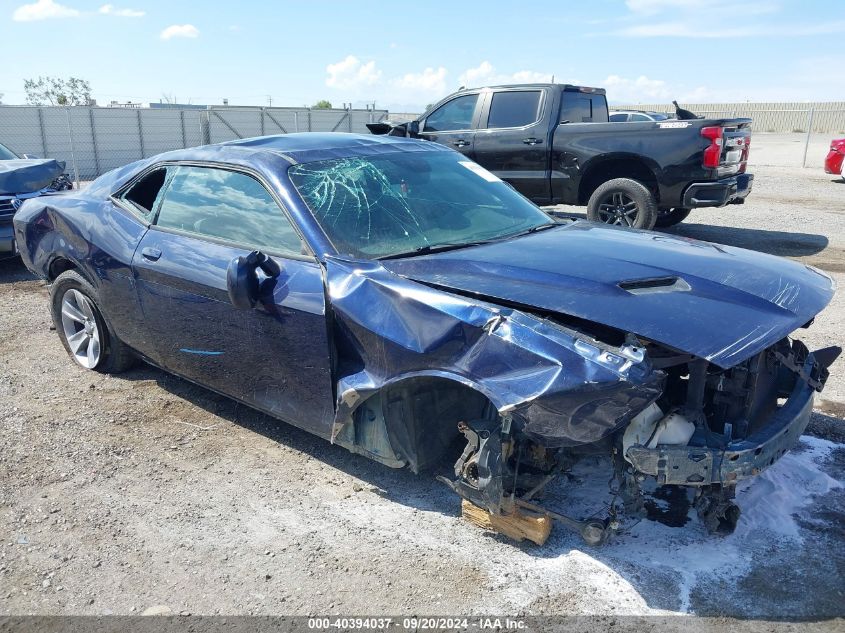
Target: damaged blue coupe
{"points": [[396, 298]]}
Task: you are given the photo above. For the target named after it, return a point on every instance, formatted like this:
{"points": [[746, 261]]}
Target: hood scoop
{"points": [[654, 284]]}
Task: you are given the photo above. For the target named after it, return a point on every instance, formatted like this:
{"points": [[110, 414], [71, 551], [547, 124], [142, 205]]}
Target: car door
{"points": [[126, 221], [274, 356], [513, 141], [452, 122]]}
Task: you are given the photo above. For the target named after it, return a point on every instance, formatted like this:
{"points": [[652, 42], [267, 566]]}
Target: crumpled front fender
{"points": [[565, 388]]}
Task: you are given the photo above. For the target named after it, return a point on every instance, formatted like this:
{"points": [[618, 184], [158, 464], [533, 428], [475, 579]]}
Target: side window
{"points": [[226, 205], [618, 118], [579, 107], [144, 194], [640, 117], [452, 115], [514, 108], [599, 108]]}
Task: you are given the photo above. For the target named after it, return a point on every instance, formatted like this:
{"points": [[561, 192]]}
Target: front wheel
{"points": [[671, 217], [84, 332], [623, 202]]}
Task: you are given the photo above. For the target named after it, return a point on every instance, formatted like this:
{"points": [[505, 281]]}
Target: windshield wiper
{"points": [[434, 248], [535, 229]]}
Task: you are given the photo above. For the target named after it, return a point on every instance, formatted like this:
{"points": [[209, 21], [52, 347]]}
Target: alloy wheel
{"points": [[619, 209], [80, 328]]}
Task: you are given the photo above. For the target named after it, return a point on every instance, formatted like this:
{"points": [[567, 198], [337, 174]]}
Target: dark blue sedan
{"points": [[398, 299]]}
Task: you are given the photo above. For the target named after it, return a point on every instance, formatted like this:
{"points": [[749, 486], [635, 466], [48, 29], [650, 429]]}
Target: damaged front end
{"points": [[521, 396]]}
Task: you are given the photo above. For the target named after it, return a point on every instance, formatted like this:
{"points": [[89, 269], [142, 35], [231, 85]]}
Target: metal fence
{"points": [[94, 140]]}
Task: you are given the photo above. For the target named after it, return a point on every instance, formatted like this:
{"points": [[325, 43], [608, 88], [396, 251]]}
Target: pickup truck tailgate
{"points": [[736, 143]]}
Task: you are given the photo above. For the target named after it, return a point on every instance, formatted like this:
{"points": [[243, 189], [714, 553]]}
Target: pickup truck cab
{"points": [[555, 145]]}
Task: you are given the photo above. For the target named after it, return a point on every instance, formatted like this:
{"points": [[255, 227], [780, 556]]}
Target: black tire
{"points": [[671, 217], [112, 356], [623, 202]]}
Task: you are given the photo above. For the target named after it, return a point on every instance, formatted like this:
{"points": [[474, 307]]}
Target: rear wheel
{"points": [[623, 202], [671, 217], [84, 332]]}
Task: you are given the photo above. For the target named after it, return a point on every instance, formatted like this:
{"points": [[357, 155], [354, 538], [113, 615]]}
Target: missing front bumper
{"points": [[703, 466]]}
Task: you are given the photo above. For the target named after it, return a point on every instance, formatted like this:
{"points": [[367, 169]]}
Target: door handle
{"points": [[150, 253], [532, 141], [460, 143]]}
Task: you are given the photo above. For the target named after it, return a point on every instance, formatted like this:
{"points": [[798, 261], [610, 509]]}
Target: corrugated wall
{"points": [[828, 116], [93, 141]]}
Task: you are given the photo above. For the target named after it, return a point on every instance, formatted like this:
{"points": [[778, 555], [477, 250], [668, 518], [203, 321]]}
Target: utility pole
{"points": [[269, 101]]}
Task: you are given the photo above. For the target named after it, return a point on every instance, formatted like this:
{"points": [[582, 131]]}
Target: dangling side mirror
{"points": [[242, 278]]}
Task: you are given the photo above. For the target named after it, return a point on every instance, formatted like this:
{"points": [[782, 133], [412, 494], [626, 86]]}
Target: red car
{"points": [[833, 162]]}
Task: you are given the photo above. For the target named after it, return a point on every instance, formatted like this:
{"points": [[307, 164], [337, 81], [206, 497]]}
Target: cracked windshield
{"points": [[403, 203]]}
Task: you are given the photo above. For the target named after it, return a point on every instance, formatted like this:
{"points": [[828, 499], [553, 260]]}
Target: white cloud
{"points": [[650, 7], [708, 7], [643, 89], [485, 75], [687, 30], [352, 75], [713, 19], [109, 9], [427, 85], [42, 10], [179, 30], [636, 90]]}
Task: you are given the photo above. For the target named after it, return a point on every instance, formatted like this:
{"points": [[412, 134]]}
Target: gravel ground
{"points": [[142, 491]]}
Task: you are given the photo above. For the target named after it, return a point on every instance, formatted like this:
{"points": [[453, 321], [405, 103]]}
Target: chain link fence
{"points": [[92, 140]]}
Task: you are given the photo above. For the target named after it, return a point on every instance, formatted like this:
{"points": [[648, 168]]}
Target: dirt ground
{"points": [[142, 491]]}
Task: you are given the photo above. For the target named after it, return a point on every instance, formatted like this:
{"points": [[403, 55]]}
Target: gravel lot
{"points": [[120, 494]]}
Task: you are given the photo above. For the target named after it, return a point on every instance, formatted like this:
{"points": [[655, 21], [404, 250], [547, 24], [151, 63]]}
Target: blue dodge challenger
{"points": [[396, 298]]}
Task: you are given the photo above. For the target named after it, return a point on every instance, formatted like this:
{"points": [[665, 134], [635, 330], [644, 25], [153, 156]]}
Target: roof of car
{"points": [[305, 147]]}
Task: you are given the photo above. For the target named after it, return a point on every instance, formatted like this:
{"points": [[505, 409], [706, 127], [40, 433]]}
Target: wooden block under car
{"points": [[516, 525]]}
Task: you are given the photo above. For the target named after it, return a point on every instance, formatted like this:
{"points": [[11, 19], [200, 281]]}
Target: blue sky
{"points": [[405, 55]]}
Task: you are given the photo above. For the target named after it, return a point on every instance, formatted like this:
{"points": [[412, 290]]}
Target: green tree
{"points": [[323, 104], [57, 91]]}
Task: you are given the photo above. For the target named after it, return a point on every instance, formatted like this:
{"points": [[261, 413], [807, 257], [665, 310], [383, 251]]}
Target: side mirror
{"points": [[242, 278], [413, 127]]}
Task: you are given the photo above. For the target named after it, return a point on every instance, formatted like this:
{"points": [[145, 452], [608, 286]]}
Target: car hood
{"points": [[716, 302], [27, 175]]}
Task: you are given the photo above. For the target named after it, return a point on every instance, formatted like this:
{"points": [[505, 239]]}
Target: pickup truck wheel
{"points": [[671, 217], [623, 202]]}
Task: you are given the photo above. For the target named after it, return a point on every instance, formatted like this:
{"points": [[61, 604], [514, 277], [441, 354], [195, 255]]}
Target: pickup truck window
{"points": [[514, 108], [452, 115], [580, 107]]}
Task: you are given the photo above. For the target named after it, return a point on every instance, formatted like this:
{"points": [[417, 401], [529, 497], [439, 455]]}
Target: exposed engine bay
{"points": [[703, 433]]}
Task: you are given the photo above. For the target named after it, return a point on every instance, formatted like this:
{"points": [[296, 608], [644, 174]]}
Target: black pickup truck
{"points": [[555, 145]]}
